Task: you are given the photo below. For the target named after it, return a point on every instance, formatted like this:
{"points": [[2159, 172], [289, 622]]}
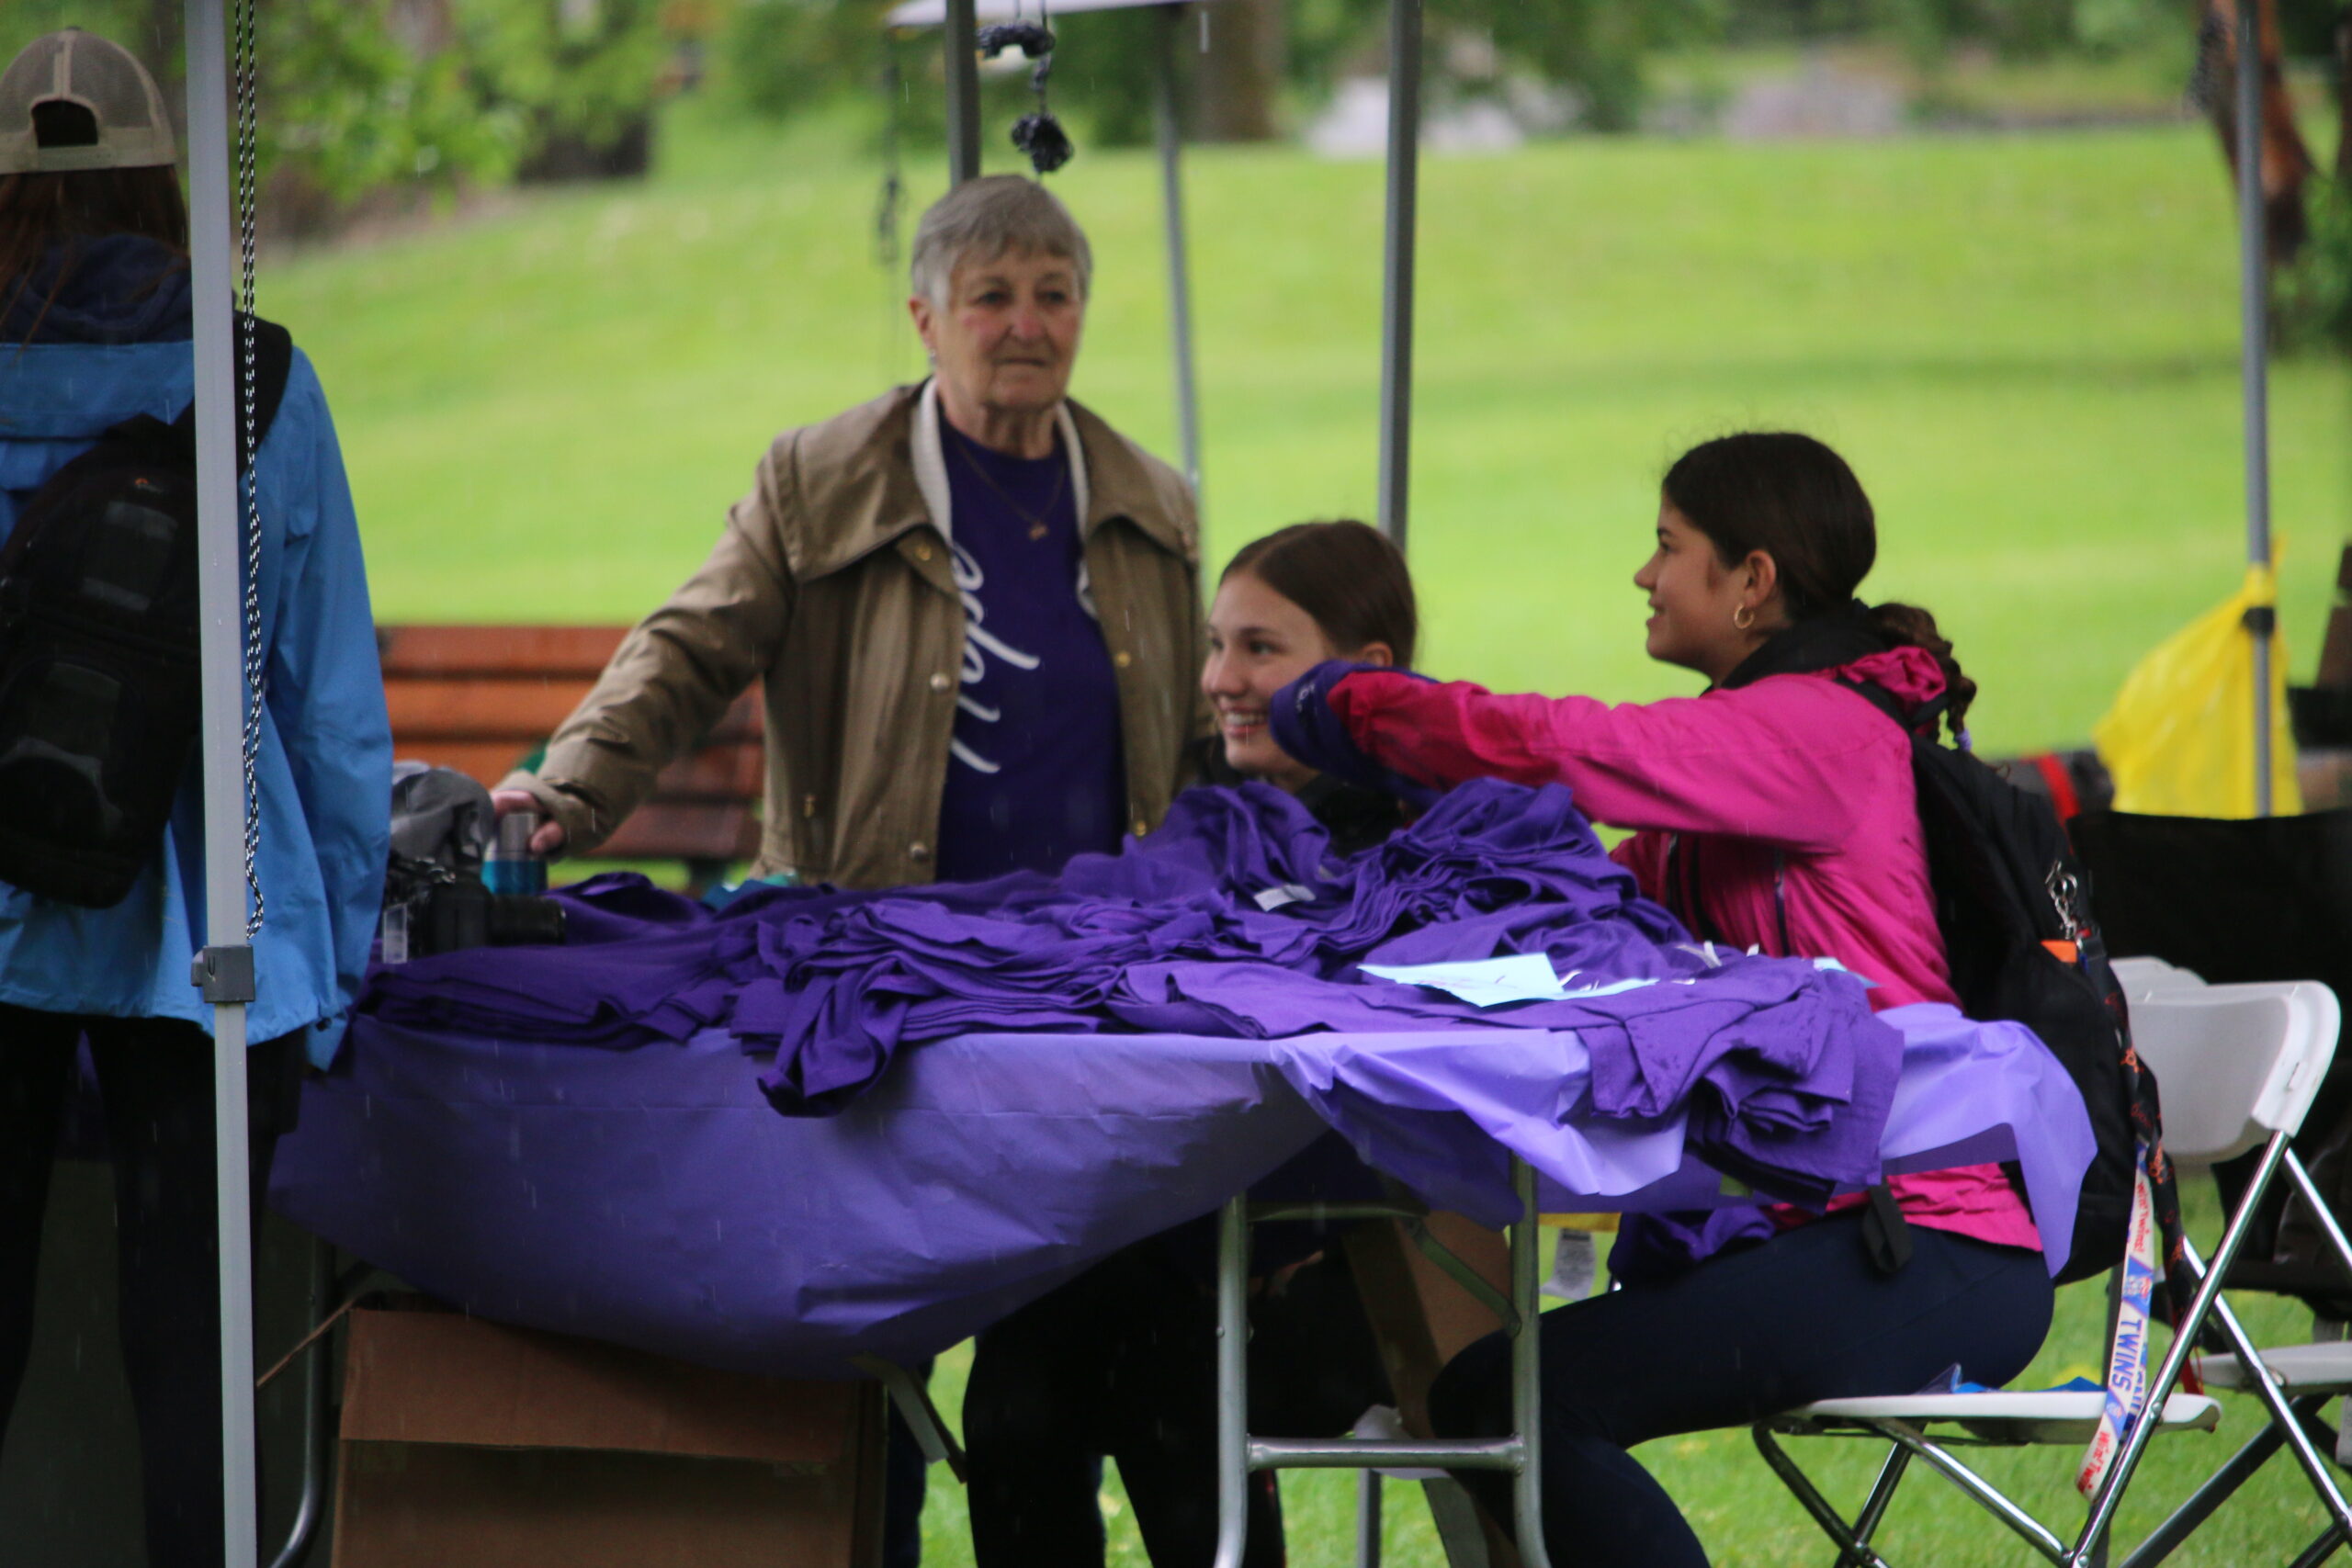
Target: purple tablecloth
{"points": [[650, 1196]]}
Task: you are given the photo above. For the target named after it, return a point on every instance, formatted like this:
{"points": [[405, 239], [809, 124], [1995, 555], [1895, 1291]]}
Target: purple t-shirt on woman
{"points": [[1035, 773]]}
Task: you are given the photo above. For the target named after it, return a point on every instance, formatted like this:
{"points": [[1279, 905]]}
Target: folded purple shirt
{"points": [[1236, 920]]}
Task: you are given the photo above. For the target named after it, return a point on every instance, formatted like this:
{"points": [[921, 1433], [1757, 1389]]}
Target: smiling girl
{"points": [[1288, 602], [1120, 1361]]}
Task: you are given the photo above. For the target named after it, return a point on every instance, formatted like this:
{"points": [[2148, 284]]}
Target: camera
{"points": [[429, 910]]}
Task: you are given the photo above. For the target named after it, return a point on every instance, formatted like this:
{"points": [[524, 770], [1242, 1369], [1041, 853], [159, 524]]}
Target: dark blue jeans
{"points": [[1743, 1336]]}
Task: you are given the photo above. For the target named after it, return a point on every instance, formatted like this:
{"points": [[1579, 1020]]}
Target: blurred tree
{"points": [[583, 72], [1106, 70], [359, 95], [1238, 70], [349, 106], [783, 56], [1596, 47], [2285, 164], [1328, 38], [2343, 42]]}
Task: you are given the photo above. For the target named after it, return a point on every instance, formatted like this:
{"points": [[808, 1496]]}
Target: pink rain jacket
{"points": [[1788, 799]]}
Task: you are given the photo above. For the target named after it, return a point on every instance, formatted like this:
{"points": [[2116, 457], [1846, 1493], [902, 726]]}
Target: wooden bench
{"points": [[482, 699]]}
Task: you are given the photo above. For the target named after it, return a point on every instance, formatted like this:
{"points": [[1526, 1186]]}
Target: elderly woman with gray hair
{"points": [[975, 607]]}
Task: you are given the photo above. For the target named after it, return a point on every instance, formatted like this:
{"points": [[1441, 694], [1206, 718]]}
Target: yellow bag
{"points": [[2179, 740]]}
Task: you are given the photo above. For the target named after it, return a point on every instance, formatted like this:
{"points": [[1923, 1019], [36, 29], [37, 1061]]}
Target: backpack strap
{"points": [[1682, 886], [1920, 721], [1886, 1234], [273, 367], [1682, 890]]}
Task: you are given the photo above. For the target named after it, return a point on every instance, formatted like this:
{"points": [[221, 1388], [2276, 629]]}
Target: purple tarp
{"points": [[650, 1196]]}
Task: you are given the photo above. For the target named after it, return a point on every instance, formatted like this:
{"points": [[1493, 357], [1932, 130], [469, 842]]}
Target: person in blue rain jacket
{"points": [[96, 327]]}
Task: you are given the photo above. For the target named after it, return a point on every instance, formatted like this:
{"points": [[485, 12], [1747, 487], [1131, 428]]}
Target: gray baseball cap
{"points": [[75, 67]]}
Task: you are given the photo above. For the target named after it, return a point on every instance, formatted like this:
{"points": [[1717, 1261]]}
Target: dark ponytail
{"points": [[1907, 625], [1799, 503]]}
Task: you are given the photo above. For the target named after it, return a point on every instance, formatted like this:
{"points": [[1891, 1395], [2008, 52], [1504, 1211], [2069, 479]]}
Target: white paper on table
{"points": [[1612, 987], [1833, 966], [1482, 981]]}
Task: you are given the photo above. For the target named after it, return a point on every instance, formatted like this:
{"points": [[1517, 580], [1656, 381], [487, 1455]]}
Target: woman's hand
{"points": [[1304, 726], [549, 837]]}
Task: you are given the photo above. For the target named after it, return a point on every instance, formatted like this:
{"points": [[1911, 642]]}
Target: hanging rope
{"points": [[249, 493], [887, 206], [894, 189]]}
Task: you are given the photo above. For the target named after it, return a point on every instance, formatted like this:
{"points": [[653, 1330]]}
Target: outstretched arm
{"points": [[1761, 762], [670, 679]]}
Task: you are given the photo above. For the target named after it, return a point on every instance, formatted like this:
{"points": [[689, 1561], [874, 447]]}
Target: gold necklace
{"points": [[1038, 527]]}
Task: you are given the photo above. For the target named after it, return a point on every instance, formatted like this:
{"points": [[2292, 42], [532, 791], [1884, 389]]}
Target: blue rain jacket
{"points": [[325, 759]]}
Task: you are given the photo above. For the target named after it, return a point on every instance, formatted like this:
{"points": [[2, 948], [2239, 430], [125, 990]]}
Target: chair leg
{"points": [[1853, 1552], [2282, 1415], [1367, 1518], [2324, 1215], [2218, 1489], [2331, 1540], [2167, 1374], [1890, 1476], [1986, 1494]]}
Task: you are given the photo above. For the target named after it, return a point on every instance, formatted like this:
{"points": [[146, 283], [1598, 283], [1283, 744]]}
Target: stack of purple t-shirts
{"points": [[1235, 920]]}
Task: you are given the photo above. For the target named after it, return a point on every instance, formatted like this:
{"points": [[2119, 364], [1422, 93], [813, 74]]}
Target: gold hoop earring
{"points": [[1743, 624]]}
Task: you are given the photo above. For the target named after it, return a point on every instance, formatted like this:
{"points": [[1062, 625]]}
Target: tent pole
{"points": [[2253, 288], [223, 686], [1180, 288], [959, 39], [1397, 283]]}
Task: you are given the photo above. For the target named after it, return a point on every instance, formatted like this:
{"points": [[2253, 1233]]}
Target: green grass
{"points": [[2026, 345]]}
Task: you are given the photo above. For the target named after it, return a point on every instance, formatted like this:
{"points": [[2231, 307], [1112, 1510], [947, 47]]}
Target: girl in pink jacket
{"points": [[1775, 811]]}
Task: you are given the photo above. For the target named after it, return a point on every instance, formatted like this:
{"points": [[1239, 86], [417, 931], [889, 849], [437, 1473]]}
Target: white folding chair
{"points": [[2145, 978], [2237, 1066], [2304, 1376]]}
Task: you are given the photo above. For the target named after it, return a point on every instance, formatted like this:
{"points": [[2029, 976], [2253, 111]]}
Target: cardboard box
{"points": [[467, 1442]]}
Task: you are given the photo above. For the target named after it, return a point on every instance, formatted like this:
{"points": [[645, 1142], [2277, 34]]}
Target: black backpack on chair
{"points": [[99, 644], [2236, 900], [2014, 906]]}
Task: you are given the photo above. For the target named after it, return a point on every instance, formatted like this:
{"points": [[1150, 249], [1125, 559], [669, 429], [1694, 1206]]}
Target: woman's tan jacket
{"points": [[833, 582]]}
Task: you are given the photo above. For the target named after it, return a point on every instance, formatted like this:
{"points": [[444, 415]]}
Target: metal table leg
{"points": [[1238, 1453]]}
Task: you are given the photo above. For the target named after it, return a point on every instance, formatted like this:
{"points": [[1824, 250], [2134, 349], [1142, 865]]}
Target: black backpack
{"points": [[99, 643], [2014, 910]]}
